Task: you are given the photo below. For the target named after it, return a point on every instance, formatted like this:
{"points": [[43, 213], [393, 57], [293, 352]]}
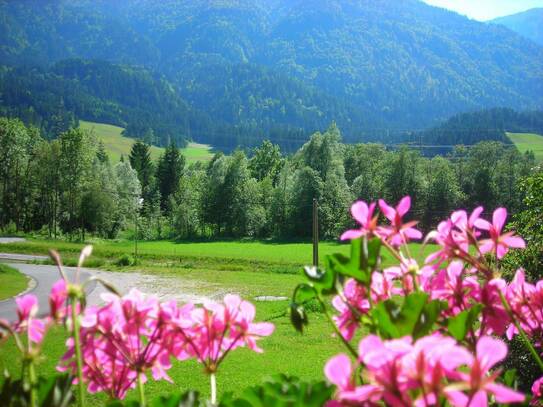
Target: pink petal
{"points": [[362, 393], [359, 210], [262, 329], [504, 394], [338, 370], [27, 306], [479, 399], [501, 250], [352, 234], [387, 210], [490, 351], [498, 218], [514, 241], [486, 246], [482, 224], [475, 215], [404, 205]]}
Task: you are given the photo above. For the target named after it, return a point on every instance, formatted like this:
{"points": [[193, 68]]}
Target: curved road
{"points": [[44, 278]]}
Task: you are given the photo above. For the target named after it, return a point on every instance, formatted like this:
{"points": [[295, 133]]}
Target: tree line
{"points": [[69, 187]]}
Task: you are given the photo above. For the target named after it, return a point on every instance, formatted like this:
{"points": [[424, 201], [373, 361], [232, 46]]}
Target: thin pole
{"points": [[136, 238], [315, 232]]}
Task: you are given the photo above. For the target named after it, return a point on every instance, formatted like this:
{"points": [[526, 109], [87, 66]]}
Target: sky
{"points": [[483, 10]]}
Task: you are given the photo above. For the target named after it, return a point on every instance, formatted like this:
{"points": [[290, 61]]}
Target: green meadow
{"points": [[116, 144], [528, 142], [11, 282]]}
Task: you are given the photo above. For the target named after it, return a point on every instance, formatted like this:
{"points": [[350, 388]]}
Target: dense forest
{"points": [[526, 23], [236, 72], [69, 187]]}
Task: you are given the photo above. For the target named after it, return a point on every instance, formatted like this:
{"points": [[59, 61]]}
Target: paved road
{"points": [[11, 239], [44, 277]]}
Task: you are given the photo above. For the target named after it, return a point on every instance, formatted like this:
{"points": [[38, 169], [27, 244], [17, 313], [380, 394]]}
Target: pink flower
{"points": [[339, 371], [27, 309], [357, 304], [537, 391], [480, 383], [57, 300], [398, 233], [495, 319], [363, 214], [497, 242], [452, 285]]}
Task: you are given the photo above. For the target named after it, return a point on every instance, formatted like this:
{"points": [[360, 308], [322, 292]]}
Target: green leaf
{"points": [[460, 324], [363, 260], [414, 317], [298, 317], [510, 378], [304, 293], [324, 280]]}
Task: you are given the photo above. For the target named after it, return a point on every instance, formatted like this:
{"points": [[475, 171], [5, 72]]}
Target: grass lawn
{"points": [[220, 255], [117, 145], [11, 282], [528, 141]]}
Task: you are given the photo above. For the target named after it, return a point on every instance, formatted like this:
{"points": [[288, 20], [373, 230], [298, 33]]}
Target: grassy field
{"points": [[528, 141], [11, 282], [250, 268], [117, 145], [265, 256]]}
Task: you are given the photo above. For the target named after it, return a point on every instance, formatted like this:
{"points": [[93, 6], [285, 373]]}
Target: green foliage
{"points": [[462, 323], [282, 391], [55, 391], [125, 260], [415, 316]]}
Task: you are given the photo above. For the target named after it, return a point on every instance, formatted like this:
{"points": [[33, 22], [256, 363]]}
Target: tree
{"points": [[77, 151], [266, 162], [444, 193], [169, 171], [307, 185], [140, 160]]}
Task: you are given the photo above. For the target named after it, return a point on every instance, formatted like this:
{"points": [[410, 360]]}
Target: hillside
{"points": [[529, 24], [528, 142], [117, 145], [473, 127], [282, 69], [54, 98]]}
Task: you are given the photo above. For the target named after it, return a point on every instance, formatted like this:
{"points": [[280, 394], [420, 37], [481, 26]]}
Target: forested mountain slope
{"points": [[529, 24], [248, 69]]}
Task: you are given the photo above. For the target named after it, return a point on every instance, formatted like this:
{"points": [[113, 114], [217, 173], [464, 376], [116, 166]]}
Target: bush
{"points": [[126, 260]]}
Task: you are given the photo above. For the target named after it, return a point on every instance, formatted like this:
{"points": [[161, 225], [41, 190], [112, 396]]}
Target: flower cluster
{"points": [[133, 334], [463, 276], [424, 373]]}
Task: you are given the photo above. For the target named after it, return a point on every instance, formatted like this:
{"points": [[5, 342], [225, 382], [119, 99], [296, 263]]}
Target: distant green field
{"points": [[528, 141], [117, 145]]}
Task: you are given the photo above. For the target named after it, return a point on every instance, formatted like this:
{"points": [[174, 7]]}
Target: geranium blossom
{"points": [[27, 310], [498, 243], [363, 214], [398, 233]]}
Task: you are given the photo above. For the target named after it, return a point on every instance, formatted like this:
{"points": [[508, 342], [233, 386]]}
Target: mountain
{"points": [[248, 69], [529, 24]]}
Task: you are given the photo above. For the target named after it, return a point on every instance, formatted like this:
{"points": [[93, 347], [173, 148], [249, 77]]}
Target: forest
{"points": [[68, 187], [281, 70]]}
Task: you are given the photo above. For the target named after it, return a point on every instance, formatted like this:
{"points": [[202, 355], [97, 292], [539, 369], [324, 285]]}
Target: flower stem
{"points": [[213, 380], [78, 355], [141, 391], [522, 334], [33, 382]]}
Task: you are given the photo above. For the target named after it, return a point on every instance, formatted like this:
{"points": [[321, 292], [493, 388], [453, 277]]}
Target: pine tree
{"points": [[169, 170]]}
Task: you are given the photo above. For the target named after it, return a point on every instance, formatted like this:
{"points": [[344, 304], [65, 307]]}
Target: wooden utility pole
{"points": [[315, 232]]}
